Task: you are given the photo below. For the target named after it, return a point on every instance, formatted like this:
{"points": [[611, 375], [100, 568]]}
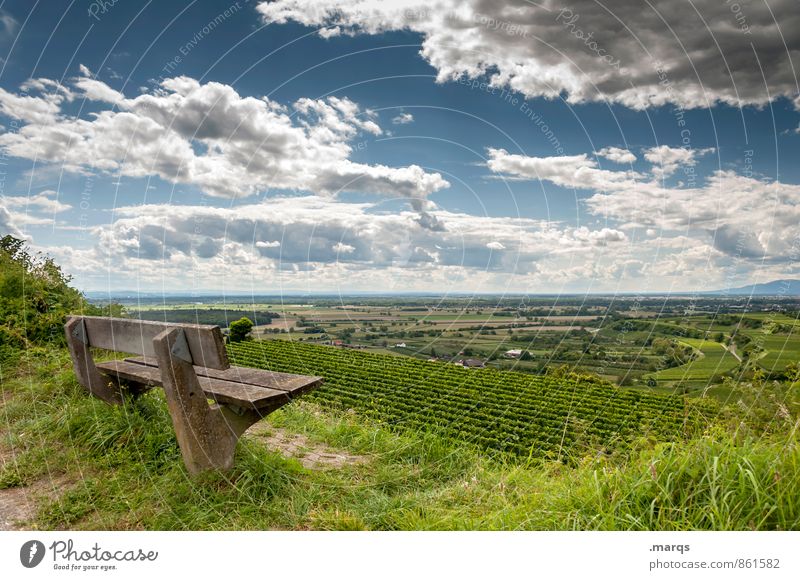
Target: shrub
{"points": [[240, 329]]}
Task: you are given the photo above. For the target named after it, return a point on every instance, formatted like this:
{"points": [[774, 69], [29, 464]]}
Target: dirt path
{"points": [[732, 349], [16, 503], [312, 455]]}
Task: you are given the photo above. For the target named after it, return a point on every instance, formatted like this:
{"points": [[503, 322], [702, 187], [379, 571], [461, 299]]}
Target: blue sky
{"points": [[402, 146]]}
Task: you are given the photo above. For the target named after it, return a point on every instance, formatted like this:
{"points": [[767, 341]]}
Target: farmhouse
{"points": [[400, 345], [515, 353], [471, 363]]}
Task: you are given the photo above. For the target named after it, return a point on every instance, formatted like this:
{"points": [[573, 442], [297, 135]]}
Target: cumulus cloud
{"points": [[577, 171], [38, 209], [617, 155], [692, 55], [315, 232], [46, 201], [739, 215], [403, 119], [7, 225], [208, 136], [667, 159]]}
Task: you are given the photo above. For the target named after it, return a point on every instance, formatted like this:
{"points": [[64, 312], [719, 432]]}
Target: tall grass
{"points": [[120, 468]]}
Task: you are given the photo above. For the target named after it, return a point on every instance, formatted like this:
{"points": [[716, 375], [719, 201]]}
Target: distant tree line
{"points": [[219, 316]]}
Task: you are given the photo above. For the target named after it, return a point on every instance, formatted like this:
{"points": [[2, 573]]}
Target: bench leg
{"points": [[83, 363], [207, 434]]}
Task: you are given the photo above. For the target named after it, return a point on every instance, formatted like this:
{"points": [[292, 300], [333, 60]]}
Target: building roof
{"points": [[472, 362]]}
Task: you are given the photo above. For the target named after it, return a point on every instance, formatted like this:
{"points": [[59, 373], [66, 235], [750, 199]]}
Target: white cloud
{"points": [[341, 248], [617, 155], [669, 159], [34, 210], [576, 171], [8, 25], [208, 136], [648, 56], [7, 225], [403, 119], [740, 216], [315, 233], [46, 201]]}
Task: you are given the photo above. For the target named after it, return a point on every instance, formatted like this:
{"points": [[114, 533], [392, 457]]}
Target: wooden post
{"points": [[207, 434], [83, 363]]}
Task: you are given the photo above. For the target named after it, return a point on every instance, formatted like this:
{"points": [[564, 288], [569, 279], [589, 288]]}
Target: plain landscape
{"points": [[483, 412]]}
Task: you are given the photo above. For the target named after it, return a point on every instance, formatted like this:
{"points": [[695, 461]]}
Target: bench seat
{"points": [[211, 403], [246, 388]]}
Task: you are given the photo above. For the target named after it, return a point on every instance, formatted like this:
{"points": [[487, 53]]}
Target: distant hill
{"points": [[774, 288]]}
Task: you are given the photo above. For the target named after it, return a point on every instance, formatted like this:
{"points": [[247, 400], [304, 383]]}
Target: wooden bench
{"points": [[211, 402]]}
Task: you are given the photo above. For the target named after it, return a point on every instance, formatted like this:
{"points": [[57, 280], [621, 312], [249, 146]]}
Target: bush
{"points": [[35, 297], [240, 329]]}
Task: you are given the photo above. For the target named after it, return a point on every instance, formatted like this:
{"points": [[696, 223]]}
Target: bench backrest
{"points": [[205, 344]]}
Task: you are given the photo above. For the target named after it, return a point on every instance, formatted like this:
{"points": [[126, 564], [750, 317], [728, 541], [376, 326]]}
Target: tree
{"points": [[35, 298], [240, 329]]}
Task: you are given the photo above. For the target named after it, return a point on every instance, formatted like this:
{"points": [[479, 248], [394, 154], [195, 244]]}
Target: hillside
{"points": [[69, 461], [509, 412], [774, 288]]}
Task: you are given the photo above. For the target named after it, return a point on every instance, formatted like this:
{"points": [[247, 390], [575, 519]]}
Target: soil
{"points": [[312, 455]]}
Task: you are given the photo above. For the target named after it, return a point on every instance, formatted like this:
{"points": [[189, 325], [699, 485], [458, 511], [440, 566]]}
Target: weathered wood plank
{"points": [[84, 367], [224, 392], [294, 385], [205, 342]]}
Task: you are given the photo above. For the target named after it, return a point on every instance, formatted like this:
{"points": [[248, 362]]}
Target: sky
{"points": [[471, 146]]}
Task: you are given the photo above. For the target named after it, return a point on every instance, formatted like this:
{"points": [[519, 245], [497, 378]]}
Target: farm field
{"points": [[601, 336], [781, 350], [498, 411], [713, 359]]}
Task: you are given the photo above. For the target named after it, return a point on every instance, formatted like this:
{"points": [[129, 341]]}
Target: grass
{"points": [[713, 360], [120, 468], [782, 349]]}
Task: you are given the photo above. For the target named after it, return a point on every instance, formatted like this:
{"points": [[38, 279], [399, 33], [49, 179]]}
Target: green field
{"points": [[781, 350], [712, 360], [527, 416], [603, 338]]}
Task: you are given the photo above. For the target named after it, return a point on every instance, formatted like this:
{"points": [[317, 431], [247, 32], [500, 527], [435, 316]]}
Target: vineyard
{"points": [[507, 412]]}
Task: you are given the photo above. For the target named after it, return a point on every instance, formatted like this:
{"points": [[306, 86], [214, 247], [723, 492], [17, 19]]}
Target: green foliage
{"points": [[35, 298], [763, 405], [507, 413], [240, 329], [201, 315]]}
